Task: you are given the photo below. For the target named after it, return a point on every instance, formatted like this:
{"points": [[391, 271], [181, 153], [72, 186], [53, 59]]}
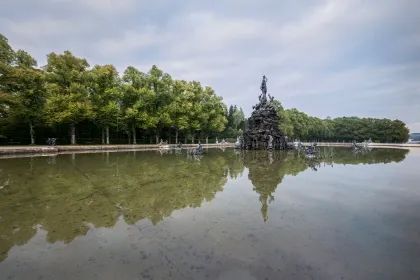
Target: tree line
{"points": [[68, 92], [298, 125]]}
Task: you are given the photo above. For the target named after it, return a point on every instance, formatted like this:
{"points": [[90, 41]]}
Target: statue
{"points": [[270, 142], [197, 150], [262, 131], [263, 96], [239, 142], [51, 141]]}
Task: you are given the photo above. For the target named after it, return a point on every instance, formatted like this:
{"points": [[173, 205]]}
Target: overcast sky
{"points": [[326, 58]]}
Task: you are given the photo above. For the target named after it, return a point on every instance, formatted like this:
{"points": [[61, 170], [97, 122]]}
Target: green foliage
{"points": [[67, 87], [29, 94], [180, 106], [7, 55], [22, 91], [298, 125], [105, 95], [23, 59], [214, 110], [235, 122], [138, 100]]}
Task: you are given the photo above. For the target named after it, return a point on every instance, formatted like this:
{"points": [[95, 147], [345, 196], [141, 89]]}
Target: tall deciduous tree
{"points": [[179, 108], [105, 95], [67, 85], [161, 84], [6, 99], [137, 102], [22, 93], [7, 56], [214, 111], [29, 91]]}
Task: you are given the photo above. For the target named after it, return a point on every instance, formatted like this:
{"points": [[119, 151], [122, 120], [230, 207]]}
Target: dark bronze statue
{"points": [[263, 96], [263, 125]]}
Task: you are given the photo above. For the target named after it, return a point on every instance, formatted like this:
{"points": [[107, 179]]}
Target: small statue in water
{"points": [[197, 150], [51, 141], [239, 142], [270, 142]]}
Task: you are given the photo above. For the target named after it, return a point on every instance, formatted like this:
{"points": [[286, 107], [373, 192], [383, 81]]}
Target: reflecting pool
{"points": [[225, 215]]}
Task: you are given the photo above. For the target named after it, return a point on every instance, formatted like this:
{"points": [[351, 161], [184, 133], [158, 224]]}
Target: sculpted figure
{"points": [[270, 142], [263, 96], [262, 128]]}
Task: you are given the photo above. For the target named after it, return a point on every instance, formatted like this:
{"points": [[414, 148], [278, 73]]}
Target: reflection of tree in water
{"points": [[377, 155], [68, 196], [267, 169]]}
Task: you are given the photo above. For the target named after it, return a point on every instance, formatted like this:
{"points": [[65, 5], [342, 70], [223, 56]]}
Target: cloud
{"points": [[329, 58], [129, 41]]}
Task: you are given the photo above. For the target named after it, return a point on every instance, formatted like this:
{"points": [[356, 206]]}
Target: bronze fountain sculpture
{"points": [[262, 131]]}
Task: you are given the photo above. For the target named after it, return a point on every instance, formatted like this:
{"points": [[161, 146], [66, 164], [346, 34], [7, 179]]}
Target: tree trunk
{"points": [[176, 136], [107, 134], [73, 134], [133, 128], [129, 137], [157, 138], [192, 139], [207, 140], [185, 140], [32, 133], [103, 136]]}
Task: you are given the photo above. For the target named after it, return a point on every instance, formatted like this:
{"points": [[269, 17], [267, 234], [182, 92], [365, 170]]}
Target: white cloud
{"points": [[102, 6], [346, 57], [130, 41]]}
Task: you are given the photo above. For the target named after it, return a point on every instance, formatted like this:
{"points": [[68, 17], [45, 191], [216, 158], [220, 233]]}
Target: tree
{"points": [[161, 84], [179, 108], [235, 121], [214, 112], [137, 102], [105, 95], [285, 123], [68, 93], [7, 56], [29, 91], [196, 113], [22, 93]]}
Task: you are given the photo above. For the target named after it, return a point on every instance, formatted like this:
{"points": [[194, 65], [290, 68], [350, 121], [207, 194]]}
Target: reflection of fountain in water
{"points": [[267, 169]]}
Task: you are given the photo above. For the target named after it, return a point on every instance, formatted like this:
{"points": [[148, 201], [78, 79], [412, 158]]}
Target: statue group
{"points": [[262, 131]]}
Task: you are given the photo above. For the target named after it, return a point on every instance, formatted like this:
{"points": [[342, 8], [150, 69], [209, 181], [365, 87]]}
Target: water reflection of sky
{"points": [[227, 215]]}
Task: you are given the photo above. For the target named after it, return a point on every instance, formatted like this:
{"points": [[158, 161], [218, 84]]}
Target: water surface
{"points": [[226, 215]]}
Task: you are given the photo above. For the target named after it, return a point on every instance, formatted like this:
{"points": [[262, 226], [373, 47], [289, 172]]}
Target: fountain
{"points": [[262, 132]]}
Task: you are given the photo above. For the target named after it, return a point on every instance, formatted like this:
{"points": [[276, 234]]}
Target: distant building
{"points": [[414, 138]]}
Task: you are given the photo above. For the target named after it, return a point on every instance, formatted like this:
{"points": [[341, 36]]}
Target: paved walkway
{"points": [[8, 150], [373, 145], [14, 150]]}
